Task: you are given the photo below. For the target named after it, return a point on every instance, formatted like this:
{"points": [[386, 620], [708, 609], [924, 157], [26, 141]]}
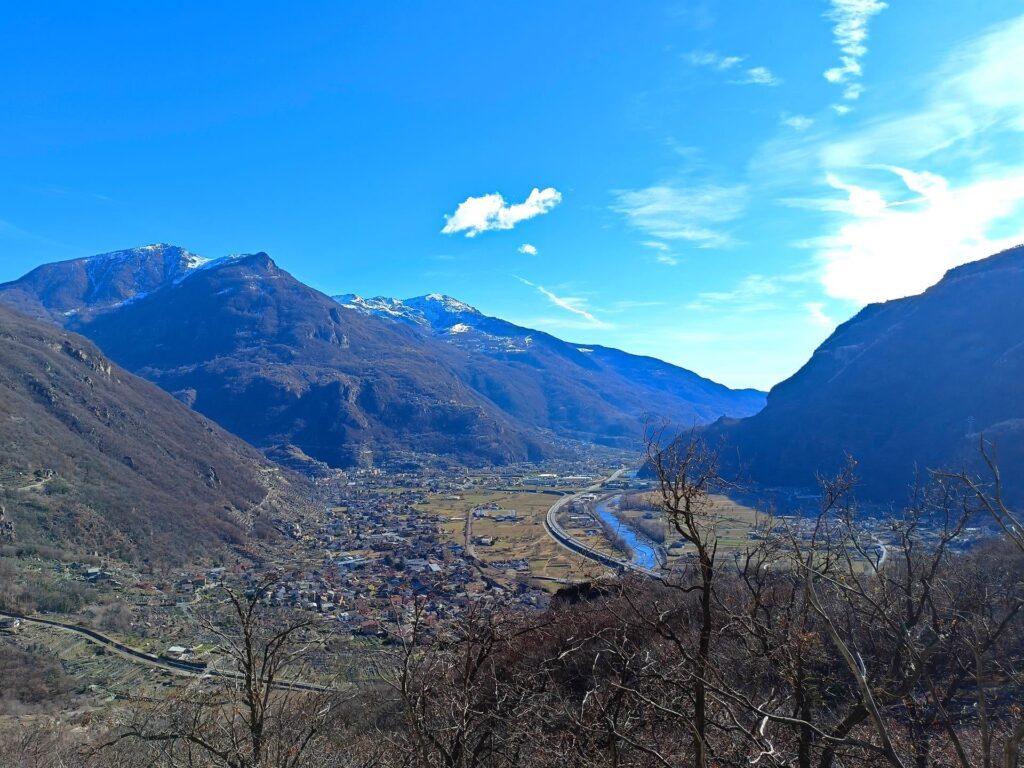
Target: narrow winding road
{"points": [[156, 662]]}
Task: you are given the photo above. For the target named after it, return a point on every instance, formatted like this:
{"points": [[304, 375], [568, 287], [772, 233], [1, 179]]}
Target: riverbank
{"points": [[644, 552]]}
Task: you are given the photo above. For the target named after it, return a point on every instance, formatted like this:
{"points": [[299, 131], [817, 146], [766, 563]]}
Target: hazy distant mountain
{"points": [[588, 391], [280, 364], [94, 458], [909, 382]]}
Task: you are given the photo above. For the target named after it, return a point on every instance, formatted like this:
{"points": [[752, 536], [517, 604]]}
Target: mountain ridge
{"points": [[912, 383], [466, 326], [279, 363]]}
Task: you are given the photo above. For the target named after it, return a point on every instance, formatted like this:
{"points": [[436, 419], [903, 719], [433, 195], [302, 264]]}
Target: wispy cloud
{"points": [[732, 64], [911, 193], [575, 305], [664, 252], [690, 213], [713, 60], [851, 19], [758, 76], [749, 295], [817, 315], [529, 250], [885, 246], [657, 246], [796, 122], [480, 214], [975, 95]]}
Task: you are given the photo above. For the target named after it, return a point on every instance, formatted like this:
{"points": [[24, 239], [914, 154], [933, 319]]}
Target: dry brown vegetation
{"points": [[526, 539], [95, 456], [794, 654]]}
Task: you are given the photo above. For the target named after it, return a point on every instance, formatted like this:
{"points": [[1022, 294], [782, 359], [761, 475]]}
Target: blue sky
{"points": [[717, 184]]}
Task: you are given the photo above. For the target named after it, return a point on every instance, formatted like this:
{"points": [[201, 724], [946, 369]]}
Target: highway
{"points": [[556, 532], [156, 662]]}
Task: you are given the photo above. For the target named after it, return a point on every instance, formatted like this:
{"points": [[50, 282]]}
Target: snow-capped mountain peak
{"points": [[447, 303], [447, 318], [100, 283], [382, 306], [134, 272], [435, 312], [173, 259]]}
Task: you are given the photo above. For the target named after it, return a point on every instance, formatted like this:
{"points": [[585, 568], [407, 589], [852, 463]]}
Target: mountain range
{"points": [[94, 459], [597, 392], [905, 385], [342, 381], [908, 384]]}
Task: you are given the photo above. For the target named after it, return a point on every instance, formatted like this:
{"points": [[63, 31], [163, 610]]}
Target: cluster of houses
{"points": [[378, 556], [579, 516], [371, 557]]}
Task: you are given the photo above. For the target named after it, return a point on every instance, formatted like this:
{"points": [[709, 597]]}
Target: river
{"points": [[644, 553]]}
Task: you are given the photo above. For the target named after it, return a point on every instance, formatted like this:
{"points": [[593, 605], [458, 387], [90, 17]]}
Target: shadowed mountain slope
{"points": [[277, 362], [586, 391], [280, 364], [910, 382]]}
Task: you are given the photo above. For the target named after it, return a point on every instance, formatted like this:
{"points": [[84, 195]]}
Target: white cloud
{"points": [[851, 33], [529, 250], [713, 60], [894, 232], [885, 248], [797, 122], [758, 76], [719, 63], [851, 19], [664, 255], [575, 305], [654, 244], [480, 214], [683, 213], [816, 312], [853, 91], [749, 295], [977, 93]]}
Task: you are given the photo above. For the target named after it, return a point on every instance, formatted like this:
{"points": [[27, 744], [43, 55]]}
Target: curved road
{"points": [[149, 660], [558, 533]]}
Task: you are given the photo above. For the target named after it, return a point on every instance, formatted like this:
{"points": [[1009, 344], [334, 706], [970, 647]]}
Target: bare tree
{"points": [[687, 473], [458, 687], [257, 713]]}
